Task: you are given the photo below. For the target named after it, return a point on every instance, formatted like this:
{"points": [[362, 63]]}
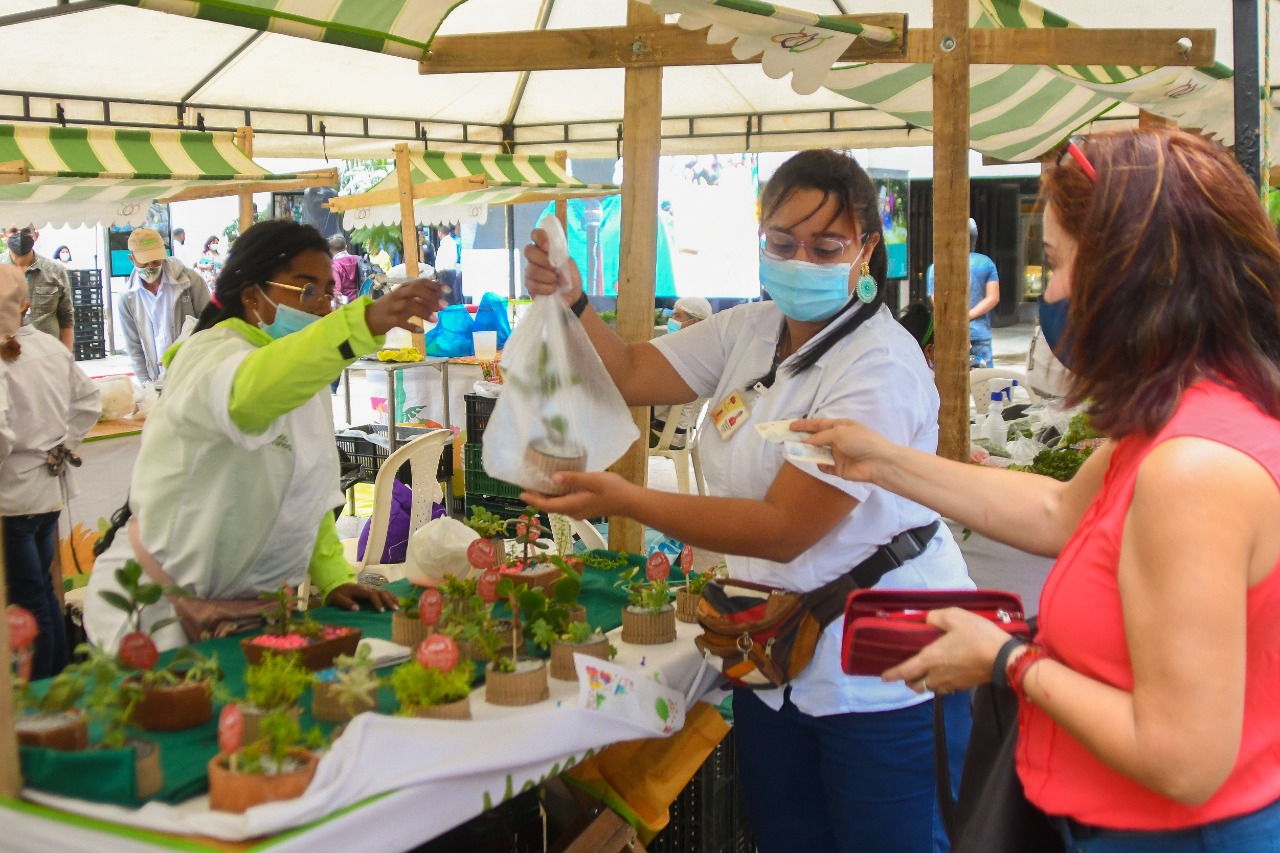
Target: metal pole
{"points": [[1244, 31]]}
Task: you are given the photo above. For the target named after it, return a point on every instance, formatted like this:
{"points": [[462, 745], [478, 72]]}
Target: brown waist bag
{"points": [[765, 635]]}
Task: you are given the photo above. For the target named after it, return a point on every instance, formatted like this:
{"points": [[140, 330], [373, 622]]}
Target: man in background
{"points": [[984, 295], [449, 263], [48, 288], [165, 296], [346, 269]]}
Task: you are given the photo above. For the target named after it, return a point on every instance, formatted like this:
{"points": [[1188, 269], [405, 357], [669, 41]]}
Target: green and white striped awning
{"points": [[81, 176], [442, 194], [1018, 112]]}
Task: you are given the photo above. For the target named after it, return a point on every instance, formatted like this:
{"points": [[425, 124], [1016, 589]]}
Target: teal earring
{"points": [[866, 287]]}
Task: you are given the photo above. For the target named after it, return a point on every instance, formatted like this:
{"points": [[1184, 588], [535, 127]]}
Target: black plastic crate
{"points": [[480, 483], [89, 316], [370, 455], [89, 350], [709, 815], [90, 335], [479, 408], [86, 287]]}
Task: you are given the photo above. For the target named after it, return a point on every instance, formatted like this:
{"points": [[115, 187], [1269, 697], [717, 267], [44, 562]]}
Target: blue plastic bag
{"points": [[452, 335], [492, 317]]}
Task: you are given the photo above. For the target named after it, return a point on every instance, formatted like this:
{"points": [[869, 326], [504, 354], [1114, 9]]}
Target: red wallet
{"points": [[884, 627]]}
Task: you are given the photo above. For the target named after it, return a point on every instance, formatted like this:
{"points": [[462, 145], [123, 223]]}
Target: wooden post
{"points": [[950, 223], [641, 144], [10, 771], [562, 206], [408, 228], [244, 139]]}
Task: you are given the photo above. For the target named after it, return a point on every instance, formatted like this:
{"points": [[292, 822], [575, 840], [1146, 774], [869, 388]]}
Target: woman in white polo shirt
{"points": [[829, 762]]}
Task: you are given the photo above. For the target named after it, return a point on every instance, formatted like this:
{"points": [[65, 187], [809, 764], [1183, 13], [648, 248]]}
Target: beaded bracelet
{"points": [[1017, 672], [999, 669]]}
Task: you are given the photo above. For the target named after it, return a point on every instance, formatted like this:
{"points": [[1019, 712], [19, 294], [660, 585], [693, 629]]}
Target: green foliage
{"points": [[276, 682], [281, 618], [110, 700], [416, 686], [137, 596], [356, 685], [281, 737], [1079, 429], [374, 237], [601, 560], [487, 524], [188, 666], [65, 690], [610, 317], [697, 581], [654, 596]]}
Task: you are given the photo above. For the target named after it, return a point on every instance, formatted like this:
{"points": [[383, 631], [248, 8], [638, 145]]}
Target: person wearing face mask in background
{"points": [[688, 310], [48, 288], [164, 300], [1048, 356], [246, 406], [62, 255], [829, 762]]}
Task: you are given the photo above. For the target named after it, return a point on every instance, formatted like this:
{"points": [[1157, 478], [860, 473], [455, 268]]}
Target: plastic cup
{"points": [[486, 344]]}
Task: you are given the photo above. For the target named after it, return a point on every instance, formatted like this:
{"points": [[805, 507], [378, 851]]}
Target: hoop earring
{"points": [[866, 288]]}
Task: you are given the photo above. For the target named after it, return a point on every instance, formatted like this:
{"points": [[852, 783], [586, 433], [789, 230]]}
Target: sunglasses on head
{"points": [[1073, 150]]}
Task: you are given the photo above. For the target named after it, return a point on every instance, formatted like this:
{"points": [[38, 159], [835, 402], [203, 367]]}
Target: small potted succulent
{"points": [[460, 596], [527, 568], [434, 685], [509, 680], [573, 638], [480, 635], [316, 645], [489, 525], [649, 617], [695, 582], [276, 765], [346, 689], [274, 683], [417, 617]]}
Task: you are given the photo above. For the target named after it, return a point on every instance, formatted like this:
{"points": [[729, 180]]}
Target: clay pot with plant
{"points": [[436, 684], [649, 617], [276, 765], [111, 702], [275, 683], [509, 680], [417, 617], [489, 525], [695, 582], [52, 720], [346, 689], [315, 644], [554, 625]]}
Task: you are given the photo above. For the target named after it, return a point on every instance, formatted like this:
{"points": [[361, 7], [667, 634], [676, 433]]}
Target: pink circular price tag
{"points": [[230, 728], [482, 554], [487, 585], [686, 558], [22, 628], [659, 566], [430, 606], [438, 651]]}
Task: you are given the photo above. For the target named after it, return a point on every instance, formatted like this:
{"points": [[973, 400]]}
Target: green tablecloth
{"points": [[107, 775]]}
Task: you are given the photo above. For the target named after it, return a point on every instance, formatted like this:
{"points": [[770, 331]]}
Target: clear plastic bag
{"points": [[559, 410]]}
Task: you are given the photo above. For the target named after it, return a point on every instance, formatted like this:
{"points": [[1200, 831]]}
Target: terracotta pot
{"points": [[408, 630], [238, 792], [646, 628], [173, 708], [325, 704], [473, 649], [562, 656], [460, 710], [687, 605], [67, 731], [316, 656], [253, 718], [526, 686], [149, 776], [542, 460]]}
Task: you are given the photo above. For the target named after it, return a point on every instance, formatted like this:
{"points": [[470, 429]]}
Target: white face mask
{"points": [[151, 274]]}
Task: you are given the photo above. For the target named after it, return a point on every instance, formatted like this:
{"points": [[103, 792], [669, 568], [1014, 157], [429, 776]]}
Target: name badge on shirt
{"points": [[730, 414]]}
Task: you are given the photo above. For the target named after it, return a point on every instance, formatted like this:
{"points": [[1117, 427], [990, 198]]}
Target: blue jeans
{"points": [[1256, 832], [845, 782], [980, 354], [29, 541]]}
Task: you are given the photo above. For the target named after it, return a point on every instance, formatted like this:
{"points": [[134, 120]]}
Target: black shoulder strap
{"points": [[826, 603]]}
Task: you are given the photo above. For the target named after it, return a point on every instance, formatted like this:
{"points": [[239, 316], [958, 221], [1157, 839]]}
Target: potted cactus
{"points": [[649, 617], [276, 765], [346, 689]]}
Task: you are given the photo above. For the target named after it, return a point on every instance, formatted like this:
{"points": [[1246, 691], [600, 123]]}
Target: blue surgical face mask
{"points": [[288, 320], [804, 291], [673, 326], [1053, 323]]}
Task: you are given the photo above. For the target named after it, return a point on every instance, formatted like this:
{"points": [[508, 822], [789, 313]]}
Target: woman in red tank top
{"points": [[1149, 698]]}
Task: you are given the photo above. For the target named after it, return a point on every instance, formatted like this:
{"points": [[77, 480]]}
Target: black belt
{"points": [[828, 601]]}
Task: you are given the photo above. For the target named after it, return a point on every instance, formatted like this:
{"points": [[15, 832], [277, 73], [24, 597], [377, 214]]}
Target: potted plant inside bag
{"points": [[174, 697], [346, 689], [552, 447], [315, 644], [417, 617], [436, 684], [276, 765], [649, 617], [274, 683], [509, 680]]}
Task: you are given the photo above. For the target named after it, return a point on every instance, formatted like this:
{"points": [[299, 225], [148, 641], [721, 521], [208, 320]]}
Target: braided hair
{"points": [[257, 256]]}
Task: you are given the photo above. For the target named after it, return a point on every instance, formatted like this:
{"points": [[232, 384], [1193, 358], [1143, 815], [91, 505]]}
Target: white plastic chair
{"points": [[423, 455], [984, 381], [586, 531], [682, 457]]}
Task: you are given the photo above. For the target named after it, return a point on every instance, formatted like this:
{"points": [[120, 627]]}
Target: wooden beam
{"points": [[561, 159], [322, 178], [428, 189], [14, 172], [641, 145], [951, 224], [614, 47], [652, 45], [10, 769], [244, 139]]}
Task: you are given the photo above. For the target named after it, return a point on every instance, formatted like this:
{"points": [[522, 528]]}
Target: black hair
{"points": [[917, 318], [257, 255], [337, 243], [58, 251], [837, 176]]}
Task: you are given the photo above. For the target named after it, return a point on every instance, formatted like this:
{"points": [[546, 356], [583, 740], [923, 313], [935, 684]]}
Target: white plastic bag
{"points": [[438, 548], [559, 410]]}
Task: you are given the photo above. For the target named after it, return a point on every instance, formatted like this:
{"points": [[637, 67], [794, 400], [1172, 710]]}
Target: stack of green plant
{"points": [[1063, 461]]}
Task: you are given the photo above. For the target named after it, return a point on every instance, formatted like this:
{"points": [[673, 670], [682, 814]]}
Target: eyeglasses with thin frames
{"points": [[310, 294], [821, 250], [1073, 150]]}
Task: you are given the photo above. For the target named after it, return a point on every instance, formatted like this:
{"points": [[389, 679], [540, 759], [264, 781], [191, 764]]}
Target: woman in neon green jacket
{"points": [[236, 481]]}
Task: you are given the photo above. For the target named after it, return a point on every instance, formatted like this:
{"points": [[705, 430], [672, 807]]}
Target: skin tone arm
{"points": [[1199, 532], [641, 373], [1027, 511], [796, 512], [991, 300]]}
